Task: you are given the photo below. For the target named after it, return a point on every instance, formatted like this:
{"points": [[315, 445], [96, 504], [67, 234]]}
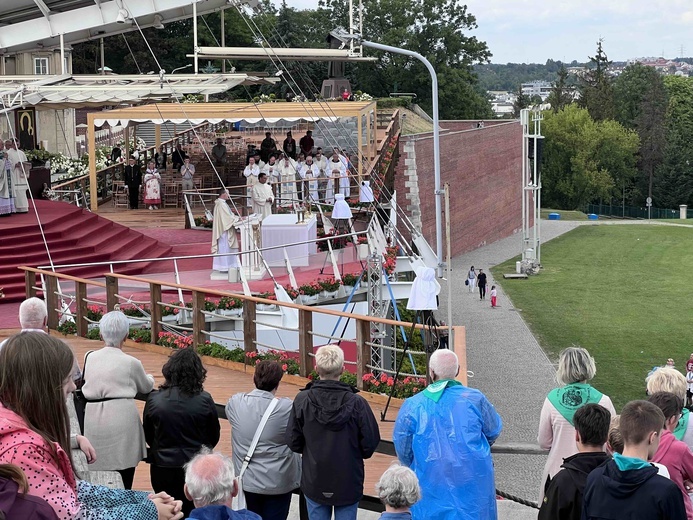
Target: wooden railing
{"points": [[385, 173], [306, 316]]}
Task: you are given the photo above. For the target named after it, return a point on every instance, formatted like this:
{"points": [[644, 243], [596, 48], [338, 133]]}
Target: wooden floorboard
{"points": [[169, 218], [221, 384]]}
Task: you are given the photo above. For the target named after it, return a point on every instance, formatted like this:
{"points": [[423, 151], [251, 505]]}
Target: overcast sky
{"points": [[532, 31]]}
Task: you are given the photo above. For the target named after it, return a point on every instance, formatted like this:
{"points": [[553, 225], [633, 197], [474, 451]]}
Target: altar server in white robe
{"points": [[224, 239], [251, 173], [309, 174], [366, 192], [20, 175], [287, 173], [336, 170], [320, 162], [262, 197]]}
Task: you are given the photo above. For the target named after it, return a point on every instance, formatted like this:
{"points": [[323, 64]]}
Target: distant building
{"points": [[537, 88]]}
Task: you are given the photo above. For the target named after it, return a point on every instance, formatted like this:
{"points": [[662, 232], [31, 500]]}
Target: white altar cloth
{"points": [[281, 229]]}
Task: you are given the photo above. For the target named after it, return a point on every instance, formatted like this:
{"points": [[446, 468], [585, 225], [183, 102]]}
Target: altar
{"points": [[282, 229]]}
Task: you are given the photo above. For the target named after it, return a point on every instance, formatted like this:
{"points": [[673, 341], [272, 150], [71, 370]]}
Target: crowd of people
{"points": [[600, 465], [294, 174]]}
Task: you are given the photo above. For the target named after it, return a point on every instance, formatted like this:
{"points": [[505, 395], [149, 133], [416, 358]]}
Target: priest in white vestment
{"points": [[336, 170], [287, 172], [262, 198], [20, 175], [224, 239], [6, 186], [309, 175], [251, 173]]}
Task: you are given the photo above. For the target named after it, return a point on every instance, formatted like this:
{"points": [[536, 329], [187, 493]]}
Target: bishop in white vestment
{"points": [[20, 175], [262, 197], [224, 239]]}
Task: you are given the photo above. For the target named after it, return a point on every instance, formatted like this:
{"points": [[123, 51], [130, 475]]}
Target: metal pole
{"points": [[449, 269], [524, 176], [103, 60], [195, 33], [62, 53], [223, 41], [436, 143]]}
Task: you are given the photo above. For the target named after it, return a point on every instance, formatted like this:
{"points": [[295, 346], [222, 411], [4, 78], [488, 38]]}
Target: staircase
{"points": [[74, 236], [147, 132]]}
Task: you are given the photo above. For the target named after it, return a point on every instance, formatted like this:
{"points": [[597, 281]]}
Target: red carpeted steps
{"points": [[74, 236]]}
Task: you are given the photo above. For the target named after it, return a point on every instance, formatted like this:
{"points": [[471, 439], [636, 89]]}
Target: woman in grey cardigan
{"points": [[111, 420], [274, 470]]}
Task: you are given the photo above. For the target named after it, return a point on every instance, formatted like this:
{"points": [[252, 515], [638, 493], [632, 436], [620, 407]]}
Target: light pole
{"points": [[436, 143]]}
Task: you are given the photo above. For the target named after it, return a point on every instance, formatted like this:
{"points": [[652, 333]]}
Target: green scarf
{"points": [[571, 397], [682, 426], [434, 391]]}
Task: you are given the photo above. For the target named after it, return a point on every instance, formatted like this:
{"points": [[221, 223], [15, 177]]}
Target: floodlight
{"points": [[158, 21], [122, 15]]}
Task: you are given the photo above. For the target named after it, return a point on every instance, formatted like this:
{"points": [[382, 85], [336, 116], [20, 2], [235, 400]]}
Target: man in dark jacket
{"points": [[133, 180], [335, 430], [563, 493], [628, 486]]}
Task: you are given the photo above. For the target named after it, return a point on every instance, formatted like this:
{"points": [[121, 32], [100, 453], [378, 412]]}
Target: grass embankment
{"points": [[622, 292], [565, 214]]}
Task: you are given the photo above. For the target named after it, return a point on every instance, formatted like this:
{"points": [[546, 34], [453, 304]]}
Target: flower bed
{"points": [[289, 364], [404, 387], [337, 243]]}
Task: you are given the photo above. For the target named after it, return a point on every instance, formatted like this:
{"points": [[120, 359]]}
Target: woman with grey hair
{"points": [[398, 490], [111, 381], [556, 432]]}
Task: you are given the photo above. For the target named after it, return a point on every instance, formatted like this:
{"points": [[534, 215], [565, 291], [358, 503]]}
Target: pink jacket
{"points": [[50, 479], [675, 455]]}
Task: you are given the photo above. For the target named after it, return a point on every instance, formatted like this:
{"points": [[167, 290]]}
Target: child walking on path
{"points": [[494, 295]]}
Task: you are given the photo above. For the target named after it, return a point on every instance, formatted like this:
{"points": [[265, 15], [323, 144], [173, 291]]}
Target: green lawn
{"points": [[565, 214], [622, 292]]}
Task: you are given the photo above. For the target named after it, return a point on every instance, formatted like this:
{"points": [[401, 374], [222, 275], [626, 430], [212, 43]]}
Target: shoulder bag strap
{"points": [[256, 438], [84, 370]]}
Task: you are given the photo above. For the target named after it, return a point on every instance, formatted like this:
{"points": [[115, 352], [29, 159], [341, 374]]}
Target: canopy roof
{"points": [[198, 113], [37, 24], [104, 90]]}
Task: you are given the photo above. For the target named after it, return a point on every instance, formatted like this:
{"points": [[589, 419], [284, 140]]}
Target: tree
{"points": [[436, 29], [561, 94], [584, 160], [673, 180], [596, 90], [522, 101], [640, 102]]}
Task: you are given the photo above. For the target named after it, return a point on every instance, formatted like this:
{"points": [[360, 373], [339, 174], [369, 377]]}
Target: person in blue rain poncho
{"points": [[445, 434]]}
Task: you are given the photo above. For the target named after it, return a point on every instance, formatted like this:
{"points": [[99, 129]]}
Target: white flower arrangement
{"points": [[362, 96], [133, 143]]}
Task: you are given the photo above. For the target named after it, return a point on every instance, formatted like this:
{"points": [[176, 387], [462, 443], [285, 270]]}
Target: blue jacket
{"points": [[448, 445], [223, 513], [634, 494]]}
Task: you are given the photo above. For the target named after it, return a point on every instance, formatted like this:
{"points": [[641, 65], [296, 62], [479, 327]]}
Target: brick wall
{"points": [[483, 167]]}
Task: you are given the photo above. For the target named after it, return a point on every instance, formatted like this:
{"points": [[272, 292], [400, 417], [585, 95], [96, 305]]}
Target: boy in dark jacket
{"points": [[628, 487], [335, 430], [563, 493]]}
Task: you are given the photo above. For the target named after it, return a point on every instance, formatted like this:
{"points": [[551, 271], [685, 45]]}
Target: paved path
{"points": [[508, 364]]}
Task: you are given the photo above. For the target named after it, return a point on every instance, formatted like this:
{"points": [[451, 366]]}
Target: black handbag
{"points": [[79, 399]]}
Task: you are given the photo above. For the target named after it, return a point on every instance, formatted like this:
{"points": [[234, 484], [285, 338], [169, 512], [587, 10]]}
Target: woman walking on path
{"points": [[556, 432], [471, 279]]}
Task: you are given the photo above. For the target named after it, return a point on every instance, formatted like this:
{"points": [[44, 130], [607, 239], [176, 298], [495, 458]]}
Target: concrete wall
{"points": [[483, 167]]}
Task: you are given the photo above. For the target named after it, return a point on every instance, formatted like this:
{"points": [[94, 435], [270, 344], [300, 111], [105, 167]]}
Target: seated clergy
{"points": [[262, 197]]}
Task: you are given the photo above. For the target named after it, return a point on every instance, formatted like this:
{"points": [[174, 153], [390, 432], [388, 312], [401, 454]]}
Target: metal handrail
{"points": [[210, 255]]}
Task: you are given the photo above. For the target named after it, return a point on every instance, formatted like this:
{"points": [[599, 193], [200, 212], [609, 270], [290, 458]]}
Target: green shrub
{"points": [[394, 102]]}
